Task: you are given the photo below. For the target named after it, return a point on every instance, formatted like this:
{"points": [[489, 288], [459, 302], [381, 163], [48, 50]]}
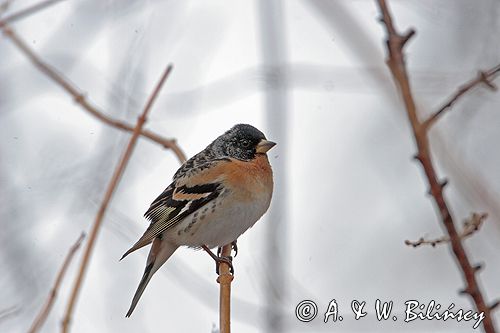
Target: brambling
{"points": [[214, 197]]}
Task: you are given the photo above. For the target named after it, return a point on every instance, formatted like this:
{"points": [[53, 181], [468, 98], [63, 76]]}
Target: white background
{"points": [[353, 192]]}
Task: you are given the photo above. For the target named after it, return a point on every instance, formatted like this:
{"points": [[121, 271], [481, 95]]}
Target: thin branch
{"points": [[80, 98], [483, 77], [9, 312], [45, 310], [225, 278], [4, 6], [27, 11], [396, 63], [115, 179], [471, 225]]}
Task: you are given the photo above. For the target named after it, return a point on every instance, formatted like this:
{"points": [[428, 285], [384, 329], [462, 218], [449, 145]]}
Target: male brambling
{"points": [[215, 197]]}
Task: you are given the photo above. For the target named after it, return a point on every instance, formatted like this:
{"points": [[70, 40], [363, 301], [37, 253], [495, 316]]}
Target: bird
{"points": [[214, 197]]}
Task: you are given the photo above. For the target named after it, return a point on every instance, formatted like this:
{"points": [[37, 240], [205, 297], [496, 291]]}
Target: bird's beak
{"points": [[264, 146]]}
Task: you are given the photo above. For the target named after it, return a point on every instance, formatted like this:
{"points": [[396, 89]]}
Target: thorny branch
{"points": [[115, 179], [81, 99], [397, 66], [471, 225], [483, 77], [45, 310]]}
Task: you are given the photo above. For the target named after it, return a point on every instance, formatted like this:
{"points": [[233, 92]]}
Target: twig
{"points": [[80, 98], [27, 11], [483, 77], [396, 63], [8, 312], [4, 6], [471, 225], [45, 310], [107, 198], [225, 278]]}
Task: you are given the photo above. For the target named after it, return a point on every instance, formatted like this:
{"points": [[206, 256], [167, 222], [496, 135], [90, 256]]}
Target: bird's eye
{"points": [[245, 143]]}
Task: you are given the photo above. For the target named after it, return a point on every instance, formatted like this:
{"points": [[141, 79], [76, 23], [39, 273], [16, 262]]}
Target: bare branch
{"points": [[397, 66], [45, 310], [115, 179], [9, 312], [80, 98], [482, 77], [494, 305], [471, 225], [27, 11], [225, 278], [4, 6]]}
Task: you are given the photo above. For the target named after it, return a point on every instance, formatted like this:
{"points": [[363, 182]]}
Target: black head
{"points": [[242, 142]]}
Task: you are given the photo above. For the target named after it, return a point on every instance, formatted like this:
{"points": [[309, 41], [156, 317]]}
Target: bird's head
{"points": [[242, 142]]}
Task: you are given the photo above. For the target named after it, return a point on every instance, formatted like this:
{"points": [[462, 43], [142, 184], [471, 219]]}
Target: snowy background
{"points": [[309, 74]]}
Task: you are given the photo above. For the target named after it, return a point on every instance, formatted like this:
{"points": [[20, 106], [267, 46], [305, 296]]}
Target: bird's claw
{"points": [[234, 245], [219, 258], [227, 260]]}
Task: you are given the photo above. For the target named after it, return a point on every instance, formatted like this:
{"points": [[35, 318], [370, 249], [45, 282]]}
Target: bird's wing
{"points": [[184, 196]]}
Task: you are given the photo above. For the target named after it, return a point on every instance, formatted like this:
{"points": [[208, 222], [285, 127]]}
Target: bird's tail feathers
{"points": [[160, 251]]}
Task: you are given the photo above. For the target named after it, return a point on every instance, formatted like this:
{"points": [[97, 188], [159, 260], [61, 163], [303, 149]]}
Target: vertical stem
{"points": [[271, 15], [225, 278]]}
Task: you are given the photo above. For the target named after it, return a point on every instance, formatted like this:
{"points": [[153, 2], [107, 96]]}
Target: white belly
{"points": [[219, 222]]}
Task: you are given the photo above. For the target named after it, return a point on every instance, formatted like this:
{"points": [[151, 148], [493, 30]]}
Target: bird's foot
{"points": [[228, 260], [220, 259]]}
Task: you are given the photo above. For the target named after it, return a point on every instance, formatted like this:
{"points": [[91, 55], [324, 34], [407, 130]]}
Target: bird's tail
{"points": [[160, 251]]}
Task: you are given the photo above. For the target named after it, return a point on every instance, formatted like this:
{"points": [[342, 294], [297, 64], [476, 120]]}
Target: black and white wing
{"points": [[178, 201]]}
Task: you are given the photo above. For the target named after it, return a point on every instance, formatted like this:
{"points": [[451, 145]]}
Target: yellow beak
{"points": [[264, 146]]}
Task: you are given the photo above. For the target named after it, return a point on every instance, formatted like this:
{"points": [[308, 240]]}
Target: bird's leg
{"points": [[218, 259], [234, 246]]}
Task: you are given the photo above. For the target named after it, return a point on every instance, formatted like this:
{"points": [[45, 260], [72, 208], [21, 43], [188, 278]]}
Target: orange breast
{"points": [[254, 178], [246, 179]]}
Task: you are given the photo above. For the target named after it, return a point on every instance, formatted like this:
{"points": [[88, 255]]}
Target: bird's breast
{"points": [[251, 180]]}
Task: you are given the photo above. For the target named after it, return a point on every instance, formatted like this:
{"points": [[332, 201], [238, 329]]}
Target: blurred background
{"points": [[311, 75]]}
